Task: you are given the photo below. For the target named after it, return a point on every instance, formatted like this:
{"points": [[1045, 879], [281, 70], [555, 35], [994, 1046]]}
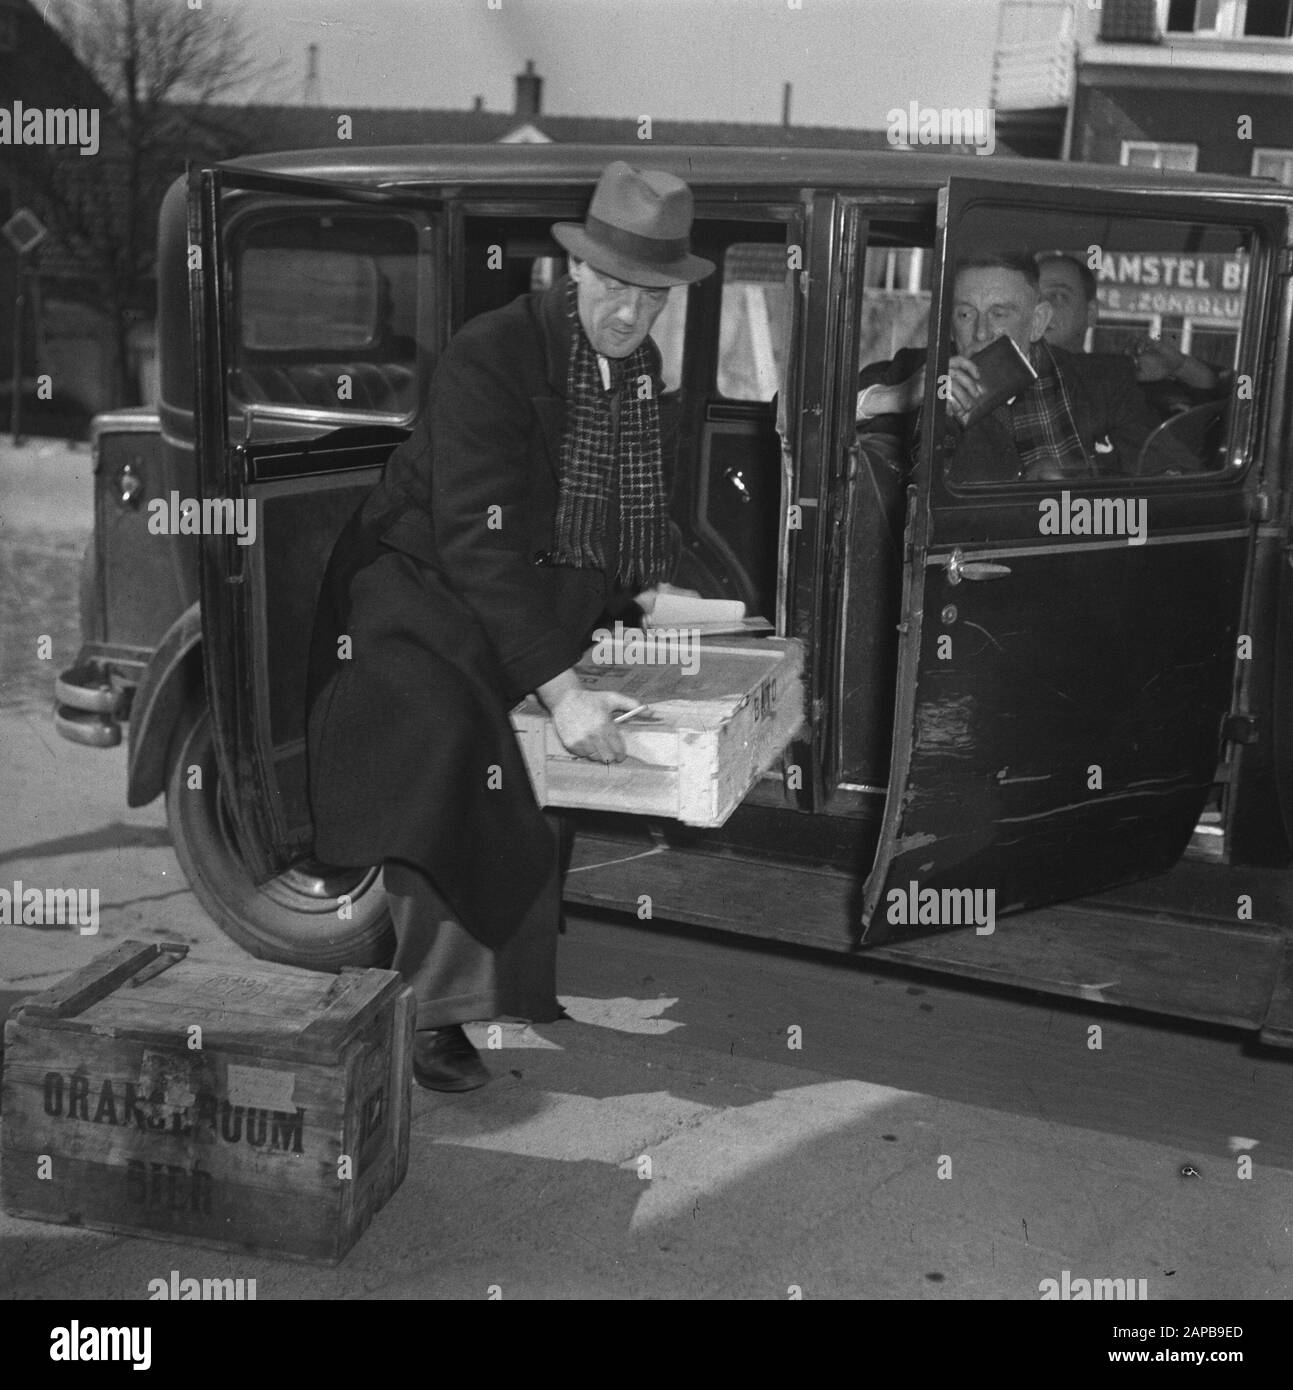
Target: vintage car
{"points": [[1019, 693]]}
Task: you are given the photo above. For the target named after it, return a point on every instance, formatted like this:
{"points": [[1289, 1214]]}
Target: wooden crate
{"points": [[711, 734], [279, 1128]]}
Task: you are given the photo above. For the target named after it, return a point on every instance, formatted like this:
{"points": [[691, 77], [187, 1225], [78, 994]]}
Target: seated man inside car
{"points": [[1169, 379], [1071, 422]]}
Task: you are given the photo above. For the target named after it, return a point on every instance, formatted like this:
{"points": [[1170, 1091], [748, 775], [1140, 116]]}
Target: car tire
{"points": [[293, 919]]}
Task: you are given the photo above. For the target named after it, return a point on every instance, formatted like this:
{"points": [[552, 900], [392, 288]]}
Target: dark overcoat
{"points": [[1112, 417], [443, 585]]}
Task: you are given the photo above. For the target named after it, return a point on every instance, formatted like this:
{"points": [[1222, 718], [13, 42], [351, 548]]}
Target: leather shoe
{"points": [[445, 1060]]}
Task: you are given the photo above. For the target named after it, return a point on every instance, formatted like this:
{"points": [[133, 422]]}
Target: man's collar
{"points": [[557, 332]]}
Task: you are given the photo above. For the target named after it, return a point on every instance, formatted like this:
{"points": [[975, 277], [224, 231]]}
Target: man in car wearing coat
{"points": [[1075, 420], [530, 497]]}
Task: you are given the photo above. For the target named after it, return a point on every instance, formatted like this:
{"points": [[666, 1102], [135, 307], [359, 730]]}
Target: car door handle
{"points": [[734, 476], [958, 569], [129, 486]]}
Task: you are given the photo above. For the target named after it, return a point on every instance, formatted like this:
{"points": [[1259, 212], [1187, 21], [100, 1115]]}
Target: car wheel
{"points": [[292, 919]]}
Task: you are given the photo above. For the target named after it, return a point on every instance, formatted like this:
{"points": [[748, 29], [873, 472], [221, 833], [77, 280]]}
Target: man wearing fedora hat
{"points": [[530, 498]]}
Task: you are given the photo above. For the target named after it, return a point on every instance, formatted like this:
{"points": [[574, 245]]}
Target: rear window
{"points": [[326, 313]]}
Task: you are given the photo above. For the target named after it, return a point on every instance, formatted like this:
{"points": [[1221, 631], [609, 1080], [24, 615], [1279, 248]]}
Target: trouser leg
{"points": [[457, 979], [563, 828]]}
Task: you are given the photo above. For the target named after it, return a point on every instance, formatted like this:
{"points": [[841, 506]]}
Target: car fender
{"points": [[173, 678]]}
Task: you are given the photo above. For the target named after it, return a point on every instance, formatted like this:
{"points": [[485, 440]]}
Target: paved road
{"points": [[771, 1167], [923, 1142]]}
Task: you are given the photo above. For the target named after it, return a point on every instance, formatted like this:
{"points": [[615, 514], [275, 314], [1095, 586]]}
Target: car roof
{"points": [[414, 166]]}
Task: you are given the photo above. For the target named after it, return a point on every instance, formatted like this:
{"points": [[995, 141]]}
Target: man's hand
{"points": [[1159, 360], [1155, 359], [963, 389], [583, 718]]}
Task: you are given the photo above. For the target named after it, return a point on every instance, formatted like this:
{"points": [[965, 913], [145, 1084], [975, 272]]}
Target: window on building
{"points": [[896, 282], [1196, 16], [1268, 19], [1155, 154], [1273, 164], [1215, 346], [669, 332], [1229, 19], [1120, 334]]}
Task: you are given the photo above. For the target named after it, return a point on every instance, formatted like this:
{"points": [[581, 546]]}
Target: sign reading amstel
{"points": [[1202, 286]]}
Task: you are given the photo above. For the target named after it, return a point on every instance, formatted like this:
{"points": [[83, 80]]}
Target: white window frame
{"points": [[1157, 147], [1215, 325], [1273, 153], [1225, 27], [1232, 15]]}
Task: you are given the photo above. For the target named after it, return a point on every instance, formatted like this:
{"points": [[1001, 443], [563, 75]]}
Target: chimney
{"points": [[529, 91], [785, 106], [478, 104]]}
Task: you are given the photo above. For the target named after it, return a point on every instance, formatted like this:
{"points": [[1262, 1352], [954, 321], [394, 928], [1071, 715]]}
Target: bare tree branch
{"points": [[161, 64]]}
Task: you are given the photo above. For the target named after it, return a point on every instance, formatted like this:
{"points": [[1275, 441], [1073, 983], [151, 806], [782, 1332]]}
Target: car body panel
{"points": [[1061, 699], [985, 765]]}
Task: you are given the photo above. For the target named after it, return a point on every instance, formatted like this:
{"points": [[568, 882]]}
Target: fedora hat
{"points": [[637, 229]]}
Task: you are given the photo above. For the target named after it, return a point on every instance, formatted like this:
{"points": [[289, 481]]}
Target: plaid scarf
{"points": [[611, 431], [1041, 422]]}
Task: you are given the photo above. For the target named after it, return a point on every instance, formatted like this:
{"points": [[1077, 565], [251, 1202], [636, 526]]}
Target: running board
{"points": [[1214, 971]]}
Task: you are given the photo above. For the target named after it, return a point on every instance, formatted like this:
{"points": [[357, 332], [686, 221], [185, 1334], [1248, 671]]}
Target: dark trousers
{"points": [[455, 978]]}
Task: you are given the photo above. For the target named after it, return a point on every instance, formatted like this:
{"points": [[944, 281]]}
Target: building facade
{"points": [[1199, 85]]}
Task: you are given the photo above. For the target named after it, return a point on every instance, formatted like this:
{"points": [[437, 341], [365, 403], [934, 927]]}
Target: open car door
{"points": [[1068, 648], [315, 316]]}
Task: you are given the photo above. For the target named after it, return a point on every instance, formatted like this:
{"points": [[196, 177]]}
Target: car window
{"points": [[325, 313], [1138, 358], [751, 346], [897, 275]]}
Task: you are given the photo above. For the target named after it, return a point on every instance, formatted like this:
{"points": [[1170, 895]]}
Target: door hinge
{"points": [[1284, 261], [1242, 728], [1261, 506]]}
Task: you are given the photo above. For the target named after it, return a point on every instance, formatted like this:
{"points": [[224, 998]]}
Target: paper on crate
{"points": [[684, 610]]}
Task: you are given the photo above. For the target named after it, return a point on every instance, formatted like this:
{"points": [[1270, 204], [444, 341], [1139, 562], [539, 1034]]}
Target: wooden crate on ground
{"points": [[254, 1107], [721, 713]]}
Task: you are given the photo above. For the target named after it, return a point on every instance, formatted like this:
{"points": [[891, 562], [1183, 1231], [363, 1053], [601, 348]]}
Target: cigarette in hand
{"points": [[629, 713]]}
